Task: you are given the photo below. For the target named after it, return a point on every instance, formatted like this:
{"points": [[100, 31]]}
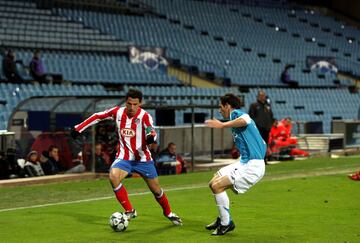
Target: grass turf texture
{"points": [[293, 203]]}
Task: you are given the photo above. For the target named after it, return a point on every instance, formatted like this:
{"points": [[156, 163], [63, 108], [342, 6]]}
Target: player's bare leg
{"points": [[223, 223], [213, 179], [116, 176], [161, 198], [216, 223]]}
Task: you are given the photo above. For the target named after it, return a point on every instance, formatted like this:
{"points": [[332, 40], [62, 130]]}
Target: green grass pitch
{"points": [[297, 201]]}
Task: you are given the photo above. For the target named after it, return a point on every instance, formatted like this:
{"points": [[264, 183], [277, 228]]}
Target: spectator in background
{"points": [[102, 135], [54, 165], [9, 67], [274, 131], [285, 77], [235, 153], [286, 123], [2, 54], [355, 177], [260, 111], [15, 169], [37, 68], [170, 151], [292, 141], [154, 150], [102, 160], [54, 156], [170, 154], [4, 166], [106, 133], [48, 165], [9, 168], [32, 165], [280, 137]]}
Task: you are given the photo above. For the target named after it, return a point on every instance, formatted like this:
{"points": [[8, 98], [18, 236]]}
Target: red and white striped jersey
{"points": [[132, 131]]}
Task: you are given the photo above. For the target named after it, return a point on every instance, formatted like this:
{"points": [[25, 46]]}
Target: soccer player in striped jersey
{"points": [[239, 176], [136, 131]]}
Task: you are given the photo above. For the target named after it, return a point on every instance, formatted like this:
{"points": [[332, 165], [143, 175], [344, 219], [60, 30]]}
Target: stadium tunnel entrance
{"points": [[39, 121]]}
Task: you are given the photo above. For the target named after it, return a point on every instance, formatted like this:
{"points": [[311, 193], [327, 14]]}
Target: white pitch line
{"points": [[270, 178], [53, 204], [98, 198]]}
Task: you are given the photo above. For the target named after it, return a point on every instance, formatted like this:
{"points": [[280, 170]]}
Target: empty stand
{"points": [[249, 42]]}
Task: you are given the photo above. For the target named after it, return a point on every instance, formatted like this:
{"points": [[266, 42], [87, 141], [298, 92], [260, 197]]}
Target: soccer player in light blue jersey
{"points": [[239, 176]]}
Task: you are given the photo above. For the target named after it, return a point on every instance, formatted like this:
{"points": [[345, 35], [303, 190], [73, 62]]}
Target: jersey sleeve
{"points": [[235, 114], [239, 114], [246, 118], [95, 118], [148, 124]]}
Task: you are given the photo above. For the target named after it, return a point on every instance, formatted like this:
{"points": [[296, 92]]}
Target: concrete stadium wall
{"points": [[181, 136]]}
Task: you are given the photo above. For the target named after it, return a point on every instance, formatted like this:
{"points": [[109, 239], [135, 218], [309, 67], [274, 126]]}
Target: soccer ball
{"points": [[118, 221]]}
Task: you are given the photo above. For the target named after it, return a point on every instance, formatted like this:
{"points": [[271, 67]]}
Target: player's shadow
{"points": [[88, 218], [190, 225], [156, 231], [82, 217]]}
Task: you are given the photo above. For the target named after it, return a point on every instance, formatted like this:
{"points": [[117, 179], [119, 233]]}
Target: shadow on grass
{"points": [[84, 218]]}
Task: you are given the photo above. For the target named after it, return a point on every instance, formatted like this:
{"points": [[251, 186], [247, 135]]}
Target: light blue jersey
{"points": [[247, 139]]}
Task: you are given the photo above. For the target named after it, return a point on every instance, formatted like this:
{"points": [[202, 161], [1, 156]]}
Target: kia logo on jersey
{"points": [[127, 132]]}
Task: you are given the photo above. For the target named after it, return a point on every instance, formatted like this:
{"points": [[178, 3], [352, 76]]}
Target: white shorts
{"points": [[243, 176]]}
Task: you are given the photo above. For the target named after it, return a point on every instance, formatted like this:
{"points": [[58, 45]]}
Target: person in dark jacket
{"points": [[286, 79], [58, 167], [48, 165], [260, 111], [102, 160], [4, 166], [9, 67]]}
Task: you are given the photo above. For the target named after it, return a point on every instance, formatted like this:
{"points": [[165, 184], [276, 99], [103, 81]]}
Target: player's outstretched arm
{"points": [[215, 123], [94, 119]]}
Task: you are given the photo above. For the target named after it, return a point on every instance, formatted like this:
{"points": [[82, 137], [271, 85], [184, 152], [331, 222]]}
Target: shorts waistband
{"points": [[252, 160]]}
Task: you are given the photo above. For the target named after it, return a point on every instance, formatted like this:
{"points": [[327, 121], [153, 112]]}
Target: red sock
{"points": [[164, 203], [122, 196]]}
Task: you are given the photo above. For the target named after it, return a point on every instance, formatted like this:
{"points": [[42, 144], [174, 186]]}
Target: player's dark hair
{"points": [[134, 94], [52, 147], [232, 100], [170, 144]]}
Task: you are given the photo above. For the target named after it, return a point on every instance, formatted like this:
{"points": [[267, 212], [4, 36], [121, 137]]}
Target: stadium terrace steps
{"points": [[15, 93], [209, 54], [24, 25], [266, 40], [194, 80], [97, 68], [332, 102], [252, 61], [300, 104]]}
